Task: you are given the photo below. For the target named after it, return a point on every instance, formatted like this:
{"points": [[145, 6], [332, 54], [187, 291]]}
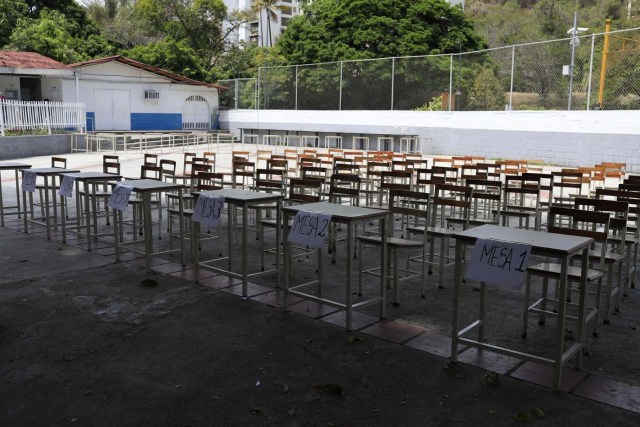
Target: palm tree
{"points": [[269, 7]]}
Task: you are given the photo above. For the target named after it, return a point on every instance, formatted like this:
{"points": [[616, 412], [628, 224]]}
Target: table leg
{"points": [[182, 231], [2, 204], [63, 208], [24, 208], [87, 213], [562, 297], [383, 269], [18, 193], [481, 317], [582, 306], [195, 248], [287, 258], [278, 231], [55, 202], [148, 228], [456, 301], [349, 262], [245, 234], [46, 206], [230, 214], [116, 235]]}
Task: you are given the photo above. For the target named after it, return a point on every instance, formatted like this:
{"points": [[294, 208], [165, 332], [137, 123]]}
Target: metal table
{"points": [[558, 246], [244, 199], [15, 167], [87, 179], [146, 187], [46, 173], [348, 215]]}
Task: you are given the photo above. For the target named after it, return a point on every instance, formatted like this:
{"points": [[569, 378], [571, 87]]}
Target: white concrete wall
{"points": [[9, 83], [114, 75], [568, 138]]}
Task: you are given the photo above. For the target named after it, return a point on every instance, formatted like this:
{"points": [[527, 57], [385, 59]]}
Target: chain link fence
{"points": [[605, 74]]}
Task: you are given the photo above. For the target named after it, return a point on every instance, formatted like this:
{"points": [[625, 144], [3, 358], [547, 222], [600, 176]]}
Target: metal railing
{"points": [[605, 74], [33, 115]]}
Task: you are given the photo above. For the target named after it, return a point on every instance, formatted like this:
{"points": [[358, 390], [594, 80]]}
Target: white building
{"points": [[118, 93], [258, 31]]}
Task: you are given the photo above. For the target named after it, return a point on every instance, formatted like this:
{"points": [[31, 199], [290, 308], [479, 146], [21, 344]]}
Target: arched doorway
{"points": [[196, 113]]}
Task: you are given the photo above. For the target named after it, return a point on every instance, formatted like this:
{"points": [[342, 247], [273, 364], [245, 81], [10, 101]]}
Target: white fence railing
{"points": [[18, 115]]}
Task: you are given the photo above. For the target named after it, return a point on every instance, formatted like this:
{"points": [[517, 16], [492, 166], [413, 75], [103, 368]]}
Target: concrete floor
{"points": [[89, 341]]}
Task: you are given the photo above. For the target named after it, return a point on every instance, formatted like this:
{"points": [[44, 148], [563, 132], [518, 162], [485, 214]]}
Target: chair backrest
{"points": [[579, 222], [567, 184], [345, 186], [277, 163], [402, 165], [521, 191], [186, 163], [314, 172], [111, 164], [471, 171], [455, 197], [304, 190], [151, 172], [401, 180], [409, 205], [150, 159], [168, 169], [443, 161], [486, 197], [59, 162], [209, 181], [210, 158], [347, 168], [618, 211], [270, 180]]}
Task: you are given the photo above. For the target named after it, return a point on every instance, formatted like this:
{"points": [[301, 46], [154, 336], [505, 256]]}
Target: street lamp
{"points": [[575, 41]]}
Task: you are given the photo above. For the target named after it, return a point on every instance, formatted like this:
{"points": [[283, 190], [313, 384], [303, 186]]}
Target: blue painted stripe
{"points": [[91, 121], [156, 121]]}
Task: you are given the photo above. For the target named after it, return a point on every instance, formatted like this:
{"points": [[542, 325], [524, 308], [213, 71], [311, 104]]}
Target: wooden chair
{"points": [[575, 222], [450, 200], [521, 201], [402, 204]]}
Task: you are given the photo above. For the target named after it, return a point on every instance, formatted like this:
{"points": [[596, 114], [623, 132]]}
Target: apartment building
{"points": [[263, 31]]}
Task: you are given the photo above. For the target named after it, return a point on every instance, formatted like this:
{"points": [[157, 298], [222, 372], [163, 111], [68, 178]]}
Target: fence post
{"points": [[513, 62], [340, 97], [237, 93], [2, 107], [450, 79], [393, 79], [593, 44], [296, 84], [257, 104], [48, 116]]}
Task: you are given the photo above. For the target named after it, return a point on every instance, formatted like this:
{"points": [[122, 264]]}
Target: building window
{"points": [[285, 21]]}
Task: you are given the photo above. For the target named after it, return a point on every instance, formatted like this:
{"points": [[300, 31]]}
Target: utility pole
{"points": [[603, 66], [574, 41]]}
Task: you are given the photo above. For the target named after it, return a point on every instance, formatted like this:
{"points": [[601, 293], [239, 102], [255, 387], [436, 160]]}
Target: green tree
{"points": [[487, 93], [55, 36], [10, 13], [172, 55], [331, 30]]}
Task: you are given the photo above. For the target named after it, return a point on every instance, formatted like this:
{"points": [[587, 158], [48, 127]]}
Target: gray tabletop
{"points": [[142, 185], [88, 176], [51, 171], [14, 165], [338, 212], [540, 241], [236, 195]]}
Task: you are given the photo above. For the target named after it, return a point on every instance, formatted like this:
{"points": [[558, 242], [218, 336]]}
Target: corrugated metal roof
{"points": [[155, 70], [32, 60]]}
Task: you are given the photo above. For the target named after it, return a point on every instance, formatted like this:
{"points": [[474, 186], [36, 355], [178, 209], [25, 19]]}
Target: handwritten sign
{"points": [[500, 263], [310, 229], [28, 181], [66, 187], [119, 198], [208, 210]]}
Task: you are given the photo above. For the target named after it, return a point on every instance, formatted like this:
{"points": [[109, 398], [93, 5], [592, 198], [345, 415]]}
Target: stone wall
{"points": [[16, 147]]}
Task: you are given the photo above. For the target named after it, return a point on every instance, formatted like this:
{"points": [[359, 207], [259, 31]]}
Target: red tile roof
{"points": [[150, 68], [32, 60]]}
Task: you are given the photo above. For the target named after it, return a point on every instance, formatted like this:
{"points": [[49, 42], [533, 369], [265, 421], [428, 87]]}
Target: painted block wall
{"points": [[567, 138], [18, 147]]}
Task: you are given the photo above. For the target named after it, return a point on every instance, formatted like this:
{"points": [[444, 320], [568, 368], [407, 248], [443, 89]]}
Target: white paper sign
{"points": [[208, 210], [310, 229], [500, 263], [66, 187], [29, 181], [119, 198]]}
